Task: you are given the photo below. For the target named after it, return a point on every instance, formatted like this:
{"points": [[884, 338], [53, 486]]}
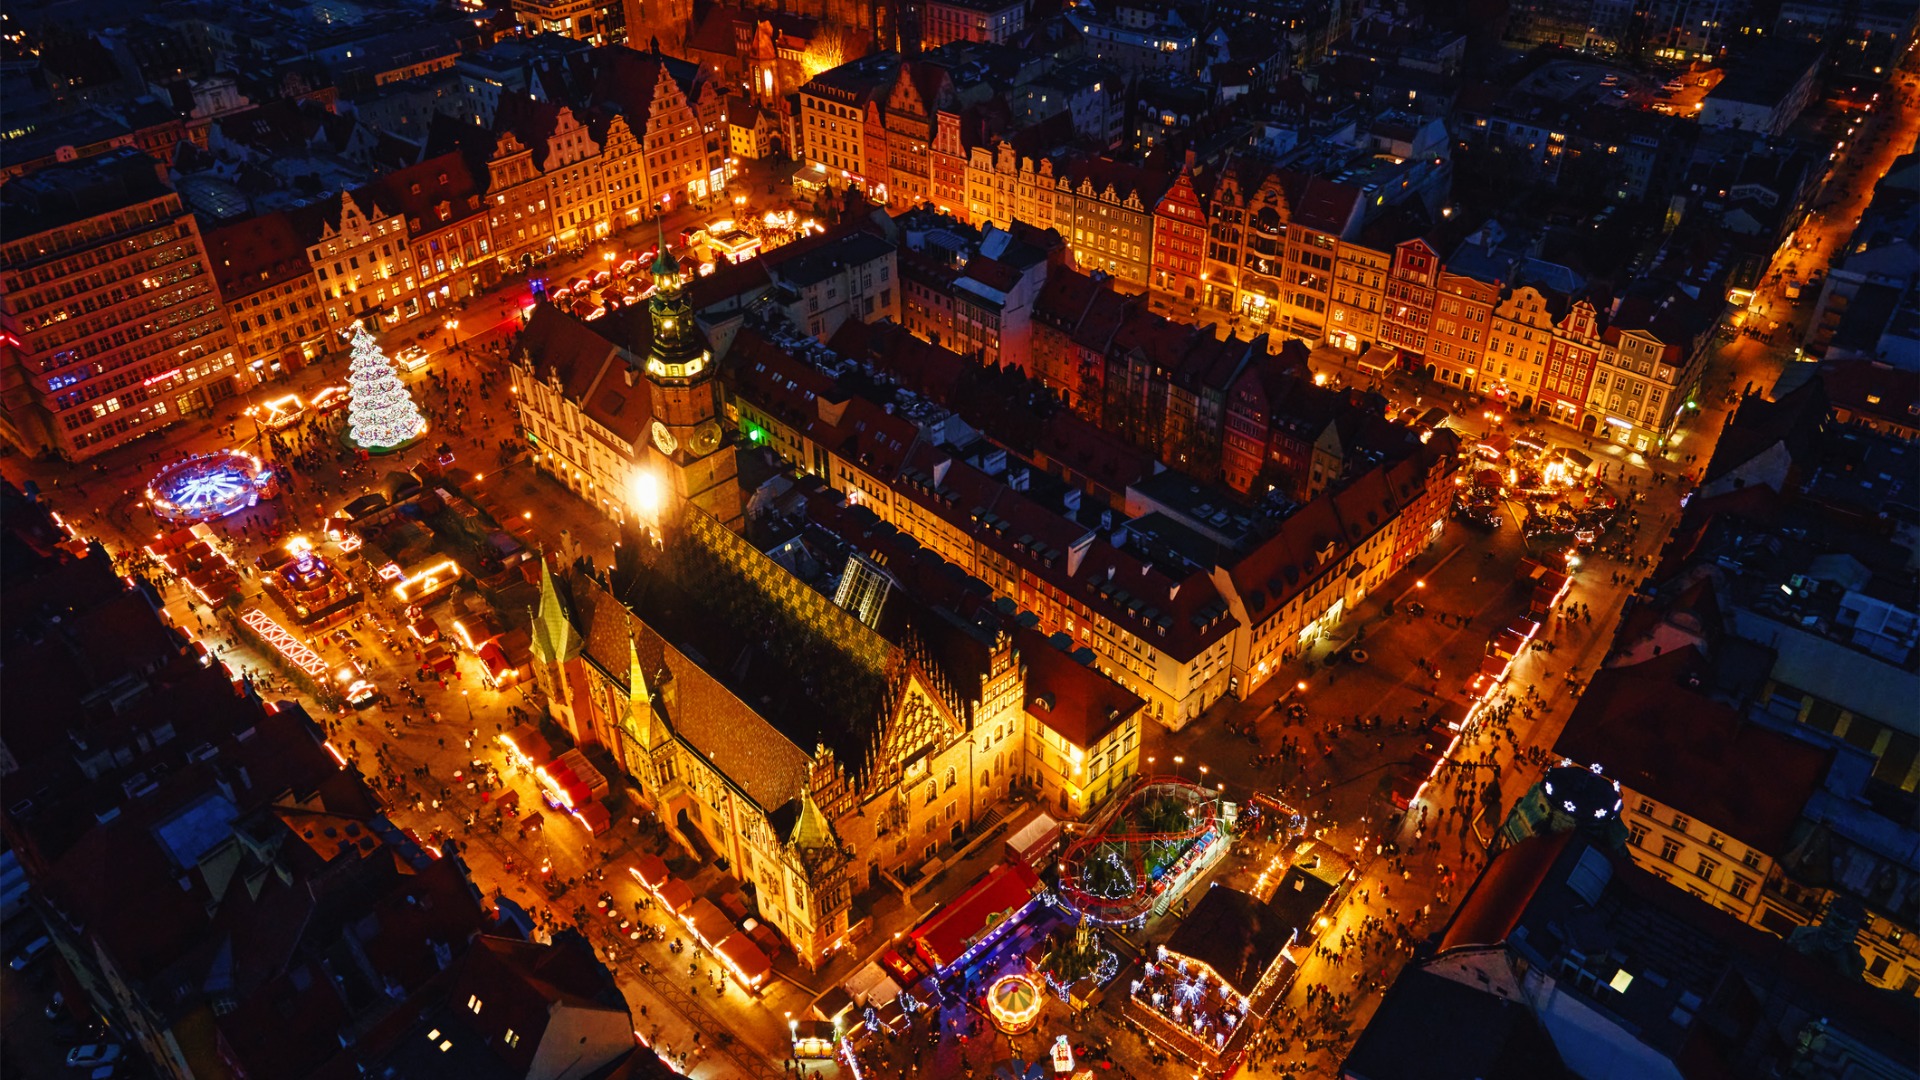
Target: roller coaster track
{"points": [[1113, 840]]}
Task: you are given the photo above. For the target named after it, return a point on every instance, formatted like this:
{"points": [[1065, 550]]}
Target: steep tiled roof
{"points": [[992, 273], [1234, 934], [435, 193], [1493, 907], [1083, 447], [852, 247], [258, 253], [1659, 737], [920, 366], [1181, 617], [556, 342], [1874, 389], [1321, 532], [1064, 298], [593, 372], [751, 752], [1073, 699]]}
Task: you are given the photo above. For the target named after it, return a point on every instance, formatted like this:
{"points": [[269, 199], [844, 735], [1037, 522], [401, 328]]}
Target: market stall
{"points": [[707, 922], [998, 900], [526, 747], [676, 895], [745, 960], [650, 871]]}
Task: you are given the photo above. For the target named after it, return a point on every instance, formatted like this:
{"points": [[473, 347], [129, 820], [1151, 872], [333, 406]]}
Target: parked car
{"points": [[32, 952], [93, 1055]]}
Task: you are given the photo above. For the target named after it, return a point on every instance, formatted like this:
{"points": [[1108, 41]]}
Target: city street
{"points": [[1328, 735]]}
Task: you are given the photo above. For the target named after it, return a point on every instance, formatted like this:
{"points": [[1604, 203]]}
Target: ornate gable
{"points": [[352, 218], [920, 725], [620, 138], [1273, 194], [1227, 192], [904, 99]]}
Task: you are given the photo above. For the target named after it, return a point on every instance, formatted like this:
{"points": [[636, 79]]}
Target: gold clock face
{"points": [[664, 439], [706, 438]]}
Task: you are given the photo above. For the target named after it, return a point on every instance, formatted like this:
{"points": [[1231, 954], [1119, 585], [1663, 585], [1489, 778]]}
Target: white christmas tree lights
{"points": [[380, 413]]}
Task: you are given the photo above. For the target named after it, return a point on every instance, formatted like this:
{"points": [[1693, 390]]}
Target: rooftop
{"points": [[1068, 694], [1645, 970], [74, 191], [1235, 935], [1658, 737]]}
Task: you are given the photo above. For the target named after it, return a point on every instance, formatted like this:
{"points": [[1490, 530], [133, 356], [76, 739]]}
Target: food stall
{"points": [[427, 583], [744, 959], [708, 922], [570, 781], [649, 870], [1034, 839], [495, 668], [526, 747], [675, 895], [814, 1038]]}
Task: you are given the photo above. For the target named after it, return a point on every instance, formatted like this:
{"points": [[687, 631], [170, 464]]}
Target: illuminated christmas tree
{"points": [[380, 413]]}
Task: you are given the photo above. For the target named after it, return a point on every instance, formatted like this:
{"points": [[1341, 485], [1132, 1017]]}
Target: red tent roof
{"points": [[651, 869], [746, 956], [531, 743], [1005, 889], [675, 895], [594, 816], [494, 658], [710, 922]]}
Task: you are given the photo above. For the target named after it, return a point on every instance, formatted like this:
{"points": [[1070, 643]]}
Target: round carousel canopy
{"points": [[1014, 1002]]}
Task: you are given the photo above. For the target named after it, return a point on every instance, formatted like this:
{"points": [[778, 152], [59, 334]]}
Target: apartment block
{"points": [[273, 302], [111, 312], [364, 264]]}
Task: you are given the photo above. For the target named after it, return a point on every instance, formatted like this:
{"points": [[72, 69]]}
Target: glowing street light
{"points": [[643, 490]]}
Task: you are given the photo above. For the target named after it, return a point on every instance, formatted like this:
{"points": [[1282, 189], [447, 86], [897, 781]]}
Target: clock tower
{"points": [[689, 449]]}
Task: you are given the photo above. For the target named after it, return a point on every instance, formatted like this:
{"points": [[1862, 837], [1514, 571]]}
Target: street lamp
{"points": [[643, 488], [453, 333], [1177, 762]]}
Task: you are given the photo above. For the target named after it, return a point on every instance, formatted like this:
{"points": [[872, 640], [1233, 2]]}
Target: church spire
{"points": [[811, 830], [554, 639], [644, 720]]}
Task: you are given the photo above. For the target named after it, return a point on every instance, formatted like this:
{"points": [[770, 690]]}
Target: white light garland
{"points": [[380, 413]]}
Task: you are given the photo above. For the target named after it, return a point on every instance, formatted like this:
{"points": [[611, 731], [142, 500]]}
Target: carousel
{"points": [[209, 486], [1014, 1003]]}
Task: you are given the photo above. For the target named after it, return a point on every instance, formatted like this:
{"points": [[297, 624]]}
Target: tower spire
{"points": [[554, 639]]}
